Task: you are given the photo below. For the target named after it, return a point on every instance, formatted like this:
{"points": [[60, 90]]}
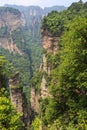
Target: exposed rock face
{"points": [[18, 98], [9, 45], [44, 64], [44, 90], [50, 43], [22, 20], [34, 100], [10, 20]]}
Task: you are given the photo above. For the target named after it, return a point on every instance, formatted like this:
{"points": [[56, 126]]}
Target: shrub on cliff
{"points": [[9, 117]]}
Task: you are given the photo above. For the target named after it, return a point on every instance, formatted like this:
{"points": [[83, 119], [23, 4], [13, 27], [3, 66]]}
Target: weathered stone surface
{"points": [[34, 100], [9, 45], [44, 90], [18, 99], [50, 43], [11, 21]]}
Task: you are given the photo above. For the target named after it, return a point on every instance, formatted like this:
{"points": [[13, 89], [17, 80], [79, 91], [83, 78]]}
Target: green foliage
{"points": [[36, 125], [20, 63], [33, 48], [53, 82], [73, 55], [2, 64], [67, 82], [9, 118], [76, 7], [36, 80], [43, 106], [18, 38], [53, 23], [52, 60], [51, 111], [56, 22], [5, 68], [3, 31]]}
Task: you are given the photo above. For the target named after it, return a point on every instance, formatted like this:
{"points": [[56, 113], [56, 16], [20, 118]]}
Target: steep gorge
{"points": [[50, 47], [58, 85], [13, 46], [11, 42]]}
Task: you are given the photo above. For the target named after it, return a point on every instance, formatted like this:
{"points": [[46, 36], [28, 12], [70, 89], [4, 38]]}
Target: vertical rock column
{"points": [[18, 98], [50, 46]]}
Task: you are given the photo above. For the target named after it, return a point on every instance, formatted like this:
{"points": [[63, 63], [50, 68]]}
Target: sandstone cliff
{"points": [[50, 43], [10, 20], [18, 99], [34, 100], [50, 46], [10, 46]]}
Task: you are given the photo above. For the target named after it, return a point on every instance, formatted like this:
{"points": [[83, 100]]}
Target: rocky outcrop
{"points": [[10, 20], [44, 90], [18, 99], [50, 43], [17, 96], [50, 46], [34, 100], [10, 46]]}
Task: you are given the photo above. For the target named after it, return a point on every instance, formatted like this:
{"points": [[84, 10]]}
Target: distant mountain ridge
{"points": [[42, 10], [36, 10], [34, 15]]}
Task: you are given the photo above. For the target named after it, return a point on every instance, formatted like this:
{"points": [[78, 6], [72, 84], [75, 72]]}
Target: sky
{"points": [[41, 3]]}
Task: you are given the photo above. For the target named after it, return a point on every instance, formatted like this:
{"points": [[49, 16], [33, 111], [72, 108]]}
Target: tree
{"points": [[67, 109], [9, 118], [53, 23], [67, 82], [73, 72]]}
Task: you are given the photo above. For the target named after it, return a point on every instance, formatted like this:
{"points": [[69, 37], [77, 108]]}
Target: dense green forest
{"points": [[10, 119], [67, 82], [21, 63], [66, 109], [28, 41]]}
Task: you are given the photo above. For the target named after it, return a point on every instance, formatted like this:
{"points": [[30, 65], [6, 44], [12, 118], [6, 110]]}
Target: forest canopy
{"points": [[67, 82]]}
